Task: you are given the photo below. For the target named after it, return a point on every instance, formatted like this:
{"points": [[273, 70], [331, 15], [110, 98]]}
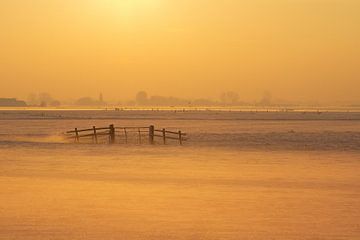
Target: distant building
{"points": [[11, 102]]}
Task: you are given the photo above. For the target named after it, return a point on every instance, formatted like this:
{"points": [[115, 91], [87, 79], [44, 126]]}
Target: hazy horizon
{"points": [[298, 50], [149, 100]]}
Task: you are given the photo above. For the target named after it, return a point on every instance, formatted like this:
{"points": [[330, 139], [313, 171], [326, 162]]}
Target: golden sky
{"points": [[295, 49]]}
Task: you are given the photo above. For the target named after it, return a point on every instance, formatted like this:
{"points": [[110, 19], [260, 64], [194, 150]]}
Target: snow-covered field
{"points": [[241, 175]]}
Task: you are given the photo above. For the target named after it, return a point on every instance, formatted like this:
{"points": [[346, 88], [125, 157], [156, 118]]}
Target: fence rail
{"points": [[113, 133]]}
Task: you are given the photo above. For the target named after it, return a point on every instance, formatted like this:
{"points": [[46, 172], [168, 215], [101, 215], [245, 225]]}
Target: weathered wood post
{"points": [[151, 134], [164, 135], [77, 138], [139, 135], [95, 135], [112, 134], [180, 138], [126, 138]]}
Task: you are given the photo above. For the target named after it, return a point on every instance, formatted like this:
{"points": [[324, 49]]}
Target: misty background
{"points": [[143, 99], [199, 52]]}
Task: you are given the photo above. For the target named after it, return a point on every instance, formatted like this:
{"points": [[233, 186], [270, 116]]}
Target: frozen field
{"points": [[241, 175]]}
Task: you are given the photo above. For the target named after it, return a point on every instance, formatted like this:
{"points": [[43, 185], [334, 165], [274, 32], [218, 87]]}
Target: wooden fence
{"points": [[112, 133]]}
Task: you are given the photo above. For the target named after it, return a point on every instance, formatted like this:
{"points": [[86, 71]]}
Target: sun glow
{"points": [[129, 8]]}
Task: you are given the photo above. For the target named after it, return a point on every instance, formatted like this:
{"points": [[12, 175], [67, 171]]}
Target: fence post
{"points": [[95, 135], [126, 138], [151, 134], [180, 138], [164, 135], [77, 138], [139, 135], [112, 133]]}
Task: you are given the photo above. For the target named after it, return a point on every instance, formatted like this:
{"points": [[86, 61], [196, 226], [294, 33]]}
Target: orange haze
{"points": [[296, 49]]}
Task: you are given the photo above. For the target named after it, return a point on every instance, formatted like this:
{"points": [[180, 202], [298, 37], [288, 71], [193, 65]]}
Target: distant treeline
{"points": [[142, 99], [12, 102], [226, 99]]}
